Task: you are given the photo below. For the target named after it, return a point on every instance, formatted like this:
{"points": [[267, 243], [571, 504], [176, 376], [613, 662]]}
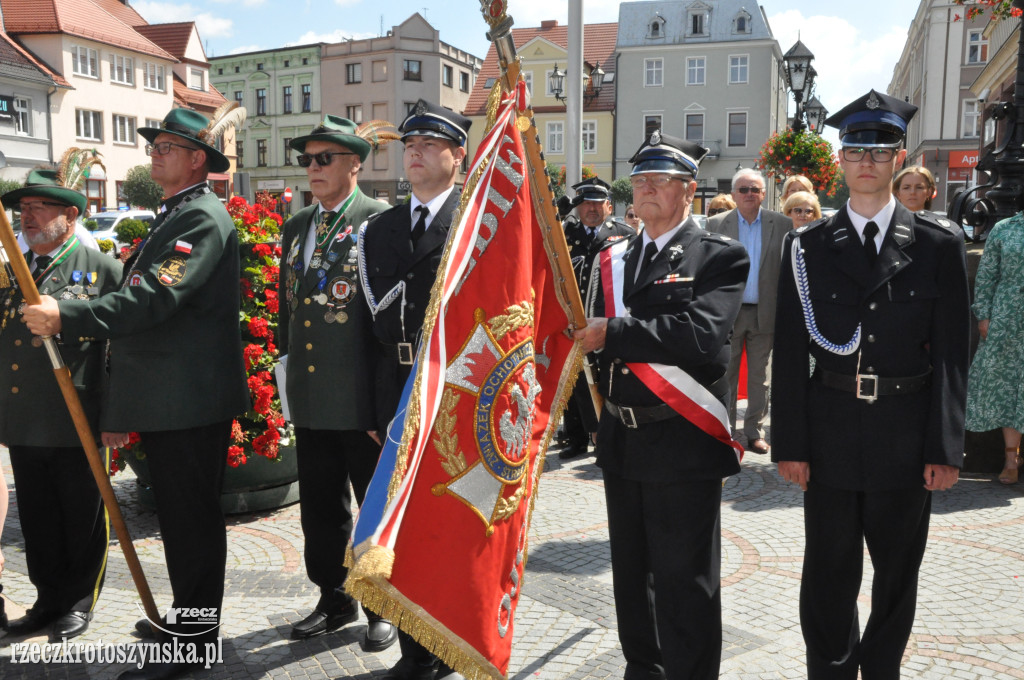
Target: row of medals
{"points": [[334, 314]]}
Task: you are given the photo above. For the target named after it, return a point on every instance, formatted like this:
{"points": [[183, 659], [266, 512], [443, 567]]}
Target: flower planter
{"points": [[260, 484]]}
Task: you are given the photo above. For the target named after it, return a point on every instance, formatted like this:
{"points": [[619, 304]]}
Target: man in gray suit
{"points": [[761, 232]]}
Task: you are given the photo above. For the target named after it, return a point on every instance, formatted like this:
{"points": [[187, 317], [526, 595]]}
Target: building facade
{"points": [[710, 72], [940, 61], [540, 51]]}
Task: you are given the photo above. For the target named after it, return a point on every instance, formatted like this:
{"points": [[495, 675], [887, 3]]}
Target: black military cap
{"points": [[667, 154], [593, 189], [875, 119], [431, 120]]}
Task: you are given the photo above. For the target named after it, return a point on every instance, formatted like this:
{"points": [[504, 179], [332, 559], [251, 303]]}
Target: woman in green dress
{"points": [[995, 386]]}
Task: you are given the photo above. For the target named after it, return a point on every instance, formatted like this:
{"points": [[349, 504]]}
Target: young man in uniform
{"points": [[62, 516], [400, 251], [176, 370], [878, 296], [326, 333], [661, 324]]}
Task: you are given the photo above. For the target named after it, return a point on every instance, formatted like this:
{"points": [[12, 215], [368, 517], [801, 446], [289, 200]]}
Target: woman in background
{"points": [[914, 187], [802, 207], [795, 183]]}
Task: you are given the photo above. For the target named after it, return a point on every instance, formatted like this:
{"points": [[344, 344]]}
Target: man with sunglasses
{"points": [[761, 232], [661, 307], [62, 516], [176, 374], [878, 296], [326, 335], [400, 252]]}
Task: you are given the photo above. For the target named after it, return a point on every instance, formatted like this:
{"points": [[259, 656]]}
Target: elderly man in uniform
{"points": [[326, 332], [586, 235], [666, 309], [62, 516], [400, 251], [878, 296], [761, 232], [176, 371]]}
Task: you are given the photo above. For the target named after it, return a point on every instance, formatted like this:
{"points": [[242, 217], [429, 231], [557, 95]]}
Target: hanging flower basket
{"points": [[800, 153]]}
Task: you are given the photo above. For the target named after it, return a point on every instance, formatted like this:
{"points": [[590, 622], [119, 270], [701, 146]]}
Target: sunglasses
{"points": [[323, 159], [714, 211], [630, 215], [802, 211], [749, 190]]}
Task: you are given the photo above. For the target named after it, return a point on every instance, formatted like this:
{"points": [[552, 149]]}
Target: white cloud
{"points": [[209, 26], [246, 48], [335, 36], [594, 12]]}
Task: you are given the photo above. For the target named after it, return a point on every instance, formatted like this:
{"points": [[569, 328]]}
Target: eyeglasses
{"points": [[323, 159], [879, 154], [38, 206], [164, 148], [749, 190], [802, 211], [654, 181], [714, 211], [630, 215]]}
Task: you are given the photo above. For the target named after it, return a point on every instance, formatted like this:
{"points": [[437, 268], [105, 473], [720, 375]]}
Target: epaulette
{"points": [[715, 236], [612, 240], [930, 219]]}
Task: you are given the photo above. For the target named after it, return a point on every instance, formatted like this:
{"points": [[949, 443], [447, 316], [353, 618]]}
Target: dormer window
{"points": [[656, 29], [698, 22], [741, 24]]}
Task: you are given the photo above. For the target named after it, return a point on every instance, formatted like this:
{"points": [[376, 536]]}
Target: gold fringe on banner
{"points": [[376, 561]]}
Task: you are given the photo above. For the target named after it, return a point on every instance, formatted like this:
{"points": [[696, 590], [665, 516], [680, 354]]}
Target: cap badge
{"points": [[656, 137], [872, 102], [421, 108]]}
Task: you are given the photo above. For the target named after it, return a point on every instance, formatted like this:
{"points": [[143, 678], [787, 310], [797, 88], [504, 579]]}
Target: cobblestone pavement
{"points": [[970, 618]]}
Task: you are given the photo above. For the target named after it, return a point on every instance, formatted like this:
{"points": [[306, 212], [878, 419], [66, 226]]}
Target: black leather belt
{"points": [[635, 416], [870, 387], [404, 351]]}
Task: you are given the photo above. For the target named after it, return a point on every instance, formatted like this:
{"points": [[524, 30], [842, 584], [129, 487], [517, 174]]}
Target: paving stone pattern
{"points": [[970, 618]]}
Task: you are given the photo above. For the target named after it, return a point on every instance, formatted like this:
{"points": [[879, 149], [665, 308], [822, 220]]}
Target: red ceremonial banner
{"points": [[441, 548]]}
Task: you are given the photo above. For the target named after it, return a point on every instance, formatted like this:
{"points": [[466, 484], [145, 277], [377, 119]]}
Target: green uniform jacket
{"points": [[176, 350], [330, 365], [32, 409]]}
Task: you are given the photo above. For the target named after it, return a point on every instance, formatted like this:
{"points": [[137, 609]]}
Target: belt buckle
{"points": [[867, 387], [627, 417], [405, 356]]}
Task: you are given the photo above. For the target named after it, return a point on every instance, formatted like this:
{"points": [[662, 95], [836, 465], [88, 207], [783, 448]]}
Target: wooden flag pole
{"points": [[495, 14], [67, 388]]}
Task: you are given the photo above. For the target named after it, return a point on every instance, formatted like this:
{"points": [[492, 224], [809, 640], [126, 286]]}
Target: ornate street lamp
{"points": [[816, 114], [592, 83], [555, 83], [800, 77]]}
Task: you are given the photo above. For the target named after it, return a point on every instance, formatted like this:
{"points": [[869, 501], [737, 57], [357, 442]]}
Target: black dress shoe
{"points": [[573, 450], [320, 622], [70, 625], [35, 619], [158, 671], [380, 634], [408, 669]]}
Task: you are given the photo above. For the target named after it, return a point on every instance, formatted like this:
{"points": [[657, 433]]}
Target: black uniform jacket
{"points": [[913, 310], [387, 258], [682, 320], [32, 410], [583, 247], [330, 364], [176, 349]]}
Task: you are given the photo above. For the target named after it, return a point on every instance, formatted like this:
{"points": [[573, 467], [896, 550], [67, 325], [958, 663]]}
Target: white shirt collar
{"points": [[882, 219], [433, 205], [662, 240]]}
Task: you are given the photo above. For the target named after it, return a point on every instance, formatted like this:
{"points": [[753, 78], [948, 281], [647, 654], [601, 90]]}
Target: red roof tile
{"points": [[172, 37], [598, 47], [80, 18], [15, 58], [194, 99], [122, 11]]}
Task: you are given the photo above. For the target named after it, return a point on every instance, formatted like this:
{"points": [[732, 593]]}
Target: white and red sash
{"points": [[671, 384]]}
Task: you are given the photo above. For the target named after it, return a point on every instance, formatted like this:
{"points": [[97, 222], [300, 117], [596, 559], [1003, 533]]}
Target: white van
{"points": [[106, 221]]}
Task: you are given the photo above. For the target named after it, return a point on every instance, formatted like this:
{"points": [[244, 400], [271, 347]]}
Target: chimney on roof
{"points": [[549, 23]]}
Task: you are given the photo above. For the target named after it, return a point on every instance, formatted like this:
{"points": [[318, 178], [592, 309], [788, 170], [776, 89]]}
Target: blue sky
{"points": [[855, 45]]}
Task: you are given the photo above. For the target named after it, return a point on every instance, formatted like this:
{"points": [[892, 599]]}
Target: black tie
{"points": [[420, 226], [870, 249], [650, 252], [42, 262]]}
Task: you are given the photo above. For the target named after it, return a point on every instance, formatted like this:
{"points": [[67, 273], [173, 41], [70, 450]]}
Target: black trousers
{"points": [[579, 419], [64, 525], [188, 475], [328, 460], [894, 524], [666, 573]]}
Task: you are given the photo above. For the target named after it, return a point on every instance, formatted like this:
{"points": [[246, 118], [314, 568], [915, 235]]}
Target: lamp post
{"points": [[816, 114], [800, 77], [593, 82]]}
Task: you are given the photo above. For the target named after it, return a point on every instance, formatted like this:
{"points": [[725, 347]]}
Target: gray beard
{"points": [[48, 233]]}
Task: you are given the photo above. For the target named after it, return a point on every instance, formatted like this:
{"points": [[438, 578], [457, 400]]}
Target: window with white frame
{"points": [[124, 129], [696, 70], [195, 80], [654, 72], [972, 118], [656, 29], [977, 47], [23, 116], [354, 73], [698, 22], [652, 122], [738, 129], [261, 153], [695, 127], [89, 125], [741, 23], [153, 77], [122, 70], [738, 68], [556, 137], [354, 113], [528, 78], [589, 136], [84, 61]]}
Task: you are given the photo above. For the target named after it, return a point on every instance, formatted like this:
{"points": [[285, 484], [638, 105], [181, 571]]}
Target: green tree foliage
{"points": [[622, 191], [8, 185], [127, 231], [140, 189]]}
